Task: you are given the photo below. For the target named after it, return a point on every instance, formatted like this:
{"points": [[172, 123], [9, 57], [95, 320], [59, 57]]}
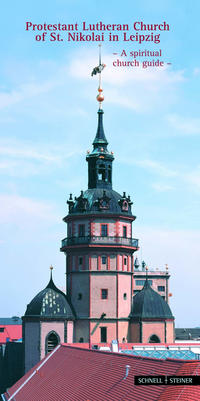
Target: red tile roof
{"points": [[75, 374], [183, 393], [11, 331]]}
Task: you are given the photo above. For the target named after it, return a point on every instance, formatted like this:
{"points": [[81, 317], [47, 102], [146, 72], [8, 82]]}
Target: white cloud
{"points": [[193, 178], [153, 165], [25, 152], [138, 89], [196, 71], [26, 158], [185, 125], [122, 75], [158, 167], [20, 210], [131, 87], [23, 92], [160, 187]]}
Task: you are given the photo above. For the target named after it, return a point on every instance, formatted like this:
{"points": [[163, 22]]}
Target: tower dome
{"points": [[48, 321], [50, 302], [148, 304], [151, 319]]}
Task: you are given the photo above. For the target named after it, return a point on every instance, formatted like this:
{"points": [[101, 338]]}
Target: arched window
{"points": [[154, 339], [101, 172], [52, 340]]}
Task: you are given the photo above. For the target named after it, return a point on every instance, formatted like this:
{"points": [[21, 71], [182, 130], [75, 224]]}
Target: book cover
{"points": [[48, 121]]}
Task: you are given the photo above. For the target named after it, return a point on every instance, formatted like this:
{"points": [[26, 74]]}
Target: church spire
{"points": [[100, 138], [100, 160]]}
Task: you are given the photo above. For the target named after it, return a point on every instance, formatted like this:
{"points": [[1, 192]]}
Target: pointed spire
{"points": [[51, 268], [100, 138], [146, 284], [99, 160], [51, 283]]}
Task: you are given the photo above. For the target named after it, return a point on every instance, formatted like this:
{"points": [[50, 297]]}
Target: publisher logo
{"points": [[167, 380]]}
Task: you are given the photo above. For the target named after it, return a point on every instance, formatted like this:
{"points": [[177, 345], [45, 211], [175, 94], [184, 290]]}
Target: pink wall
{"points": [[46, 327], [113, 261], [70, 331], [111, 331], [124, 287], [98, 305], [111, 226], [120, 228], [94, 262], [123, 328], [170, 331], [150, 328]]}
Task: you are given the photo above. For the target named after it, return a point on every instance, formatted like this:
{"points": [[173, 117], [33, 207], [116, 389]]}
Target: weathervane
{"points": [[98, 70]]}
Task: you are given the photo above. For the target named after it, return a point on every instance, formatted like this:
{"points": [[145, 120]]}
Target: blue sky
{"points": [[48, 121]]}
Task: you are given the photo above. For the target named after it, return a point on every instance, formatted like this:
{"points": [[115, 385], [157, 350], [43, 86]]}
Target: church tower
{"points": [[99, 248]]}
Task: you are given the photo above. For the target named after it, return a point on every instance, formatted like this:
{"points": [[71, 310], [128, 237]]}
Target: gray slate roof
{"points": [[147, 303], [92, 195], [50, 302]]}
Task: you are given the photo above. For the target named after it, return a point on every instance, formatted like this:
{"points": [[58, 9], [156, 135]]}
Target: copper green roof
{"points": [[148, 304], [91, 197]]}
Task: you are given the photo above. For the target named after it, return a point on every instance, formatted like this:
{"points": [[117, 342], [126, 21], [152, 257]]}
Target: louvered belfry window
{"points": [[52, 342]]}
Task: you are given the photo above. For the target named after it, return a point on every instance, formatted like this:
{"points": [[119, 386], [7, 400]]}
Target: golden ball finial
{"points": [[100, 96], [51, 267], [166, 266]]}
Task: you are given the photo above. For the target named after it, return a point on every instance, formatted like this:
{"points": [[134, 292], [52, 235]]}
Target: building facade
{"points": [[99, 250], [100, 304], [159, 281]]}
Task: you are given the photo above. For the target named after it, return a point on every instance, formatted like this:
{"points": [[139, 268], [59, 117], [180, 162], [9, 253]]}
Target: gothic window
{"points": [[154, 339], [52, 340], [80, 260], [125, 296], [125, 261], [80, 296], [101, 172]]}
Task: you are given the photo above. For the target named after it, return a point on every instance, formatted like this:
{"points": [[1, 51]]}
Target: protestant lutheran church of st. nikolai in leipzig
{"points": [[102, 274]]}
